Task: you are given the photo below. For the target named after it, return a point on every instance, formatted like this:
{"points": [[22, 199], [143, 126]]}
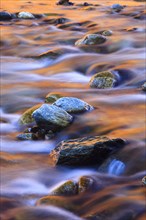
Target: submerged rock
{"points": [[72, 105], [85, 151], [144, 87], [102, 80], [26, 117], [5, 16], [91, 39], [85, 183], [25, 15], [51, 117], [68, 188], [52, 97]]}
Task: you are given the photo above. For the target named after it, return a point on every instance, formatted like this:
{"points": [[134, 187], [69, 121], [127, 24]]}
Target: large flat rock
{"points": [[85, 151]]}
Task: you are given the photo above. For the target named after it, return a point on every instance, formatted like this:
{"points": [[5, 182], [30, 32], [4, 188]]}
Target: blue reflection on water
{"points": [[116, 167]]}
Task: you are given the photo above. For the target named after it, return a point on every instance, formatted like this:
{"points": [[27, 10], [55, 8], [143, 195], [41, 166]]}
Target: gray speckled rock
{"points": [[85, 151], [26, 136], [102, 80], [51, 117], [72, 105], [25, 15], [67, 188], [144, 87], [91, 39]]}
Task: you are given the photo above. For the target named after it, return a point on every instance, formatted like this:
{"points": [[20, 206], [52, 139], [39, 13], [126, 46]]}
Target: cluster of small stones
{"points": [[51, 117]]}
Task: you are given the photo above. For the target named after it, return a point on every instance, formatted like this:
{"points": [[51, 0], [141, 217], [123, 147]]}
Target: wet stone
{"points": [[117, 7], [52, 97], [5, 16], [51, 117], [107, 33], [102, 80], [25, 15], [26, 137], [26, 117], [85, 183], [64, 2], [73, 105], [91, 39], [68, 188], [144, 87], [85, 151]]}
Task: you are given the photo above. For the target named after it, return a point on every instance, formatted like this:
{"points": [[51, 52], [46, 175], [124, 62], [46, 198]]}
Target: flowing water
{"points": [[26, 171]]}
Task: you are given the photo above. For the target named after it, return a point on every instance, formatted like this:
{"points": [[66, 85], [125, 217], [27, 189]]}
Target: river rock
{"points": [[26, 137], [64, 2], [144, 87], [117, 7], [85, 183], [102, 80], [68, 188], [91, 39], [5, 16], [26, 117], [72, 105], [85, 151], [51, 117], [107, 33], [25, 15], [52, 97]]}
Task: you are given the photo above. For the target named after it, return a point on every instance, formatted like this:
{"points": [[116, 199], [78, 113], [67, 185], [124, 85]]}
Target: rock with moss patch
{"points": [[51, 117], [91, 39], [85, 183], [73, 105], [103, 80], [26, 117], [52, 97], [85, 151], [68, 188], [25, 15], [144, 87]]}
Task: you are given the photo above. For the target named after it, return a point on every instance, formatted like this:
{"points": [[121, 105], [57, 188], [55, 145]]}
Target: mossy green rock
{"points": [[52, 97], [51, 117], [68, 188], [102, 80], [85, 183], [73, 105], [26, 117], [144, 87], [85, 151], [91, 39]]}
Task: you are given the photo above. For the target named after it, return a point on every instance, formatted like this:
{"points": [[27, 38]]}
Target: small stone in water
{"points": [[117, 7], [144, 87], [144, 180], [25, 15], [51, 117], [52, 97], [73, 105], [64, 2], [68, 188], [102, 80], [26, 136], [91, 39], [4, 16], [107, 33], [85, 151]]}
